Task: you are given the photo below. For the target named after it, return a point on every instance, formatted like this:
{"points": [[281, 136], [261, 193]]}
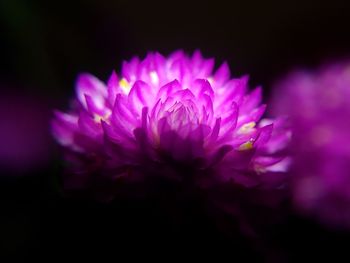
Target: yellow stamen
{"points": [[98, 118], [125, 85], [246, 128], [246, 146]]}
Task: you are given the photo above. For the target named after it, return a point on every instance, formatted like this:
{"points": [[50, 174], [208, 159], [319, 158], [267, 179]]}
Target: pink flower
{"points": [[171, 118]]}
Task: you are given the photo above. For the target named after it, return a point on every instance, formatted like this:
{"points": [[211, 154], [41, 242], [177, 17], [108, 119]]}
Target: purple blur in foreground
{"points": [[172, 118], [24, 138], [319, 106]]}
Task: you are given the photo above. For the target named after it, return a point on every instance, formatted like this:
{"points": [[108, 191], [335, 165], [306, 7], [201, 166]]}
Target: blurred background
{"points": [[45, 44]]}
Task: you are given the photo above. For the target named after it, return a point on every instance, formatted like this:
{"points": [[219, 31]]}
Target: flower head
{"points": [[318, 105], [173, 118]]}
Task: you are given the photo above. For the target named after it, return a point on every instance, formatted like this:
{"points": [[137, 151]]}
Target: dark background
{"points": [[45, 44]]}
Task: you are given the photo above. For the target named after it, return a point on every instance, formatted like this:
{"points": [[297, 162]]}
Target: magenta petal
{"points": [[121, 149], [139, 96], [113, 88], [110, 133], [130, 69], [182, 95], [206, 68], [220, 154], [253, 116], [229, 122], [215, 131], [92, 107], [144, 118], [264, 135], [177, 55], [122, 118], [163, 126], [201, 133], [201, 87], [267, 160], [222, 75], [233, 90], [88, 125], [168, 90], [93, 87], [197, 58], [252, 100], [181, 71], [160, 68], [63, 128], [202, 68], [207, 109]]}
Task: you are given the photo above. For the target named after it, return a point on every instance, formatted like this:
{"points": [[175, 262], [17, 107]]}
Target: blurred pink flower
{"points": [[319, 107]]}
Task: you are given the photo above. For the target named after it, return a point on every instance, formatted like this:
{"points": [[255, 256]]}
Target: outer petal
{"points": [[160, 68], [251, 101], [233, 90], [201, 68], [64, 126], [93, 87], [130, 69], [122, 118], [113, 88], [229, 122], [222, 75], [88, 125]]}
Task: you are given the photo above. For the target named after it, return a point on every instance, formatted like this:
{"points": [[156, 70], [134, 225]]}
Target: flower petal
{"points": [[93, 87], [140, 95], [222, 75]]}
